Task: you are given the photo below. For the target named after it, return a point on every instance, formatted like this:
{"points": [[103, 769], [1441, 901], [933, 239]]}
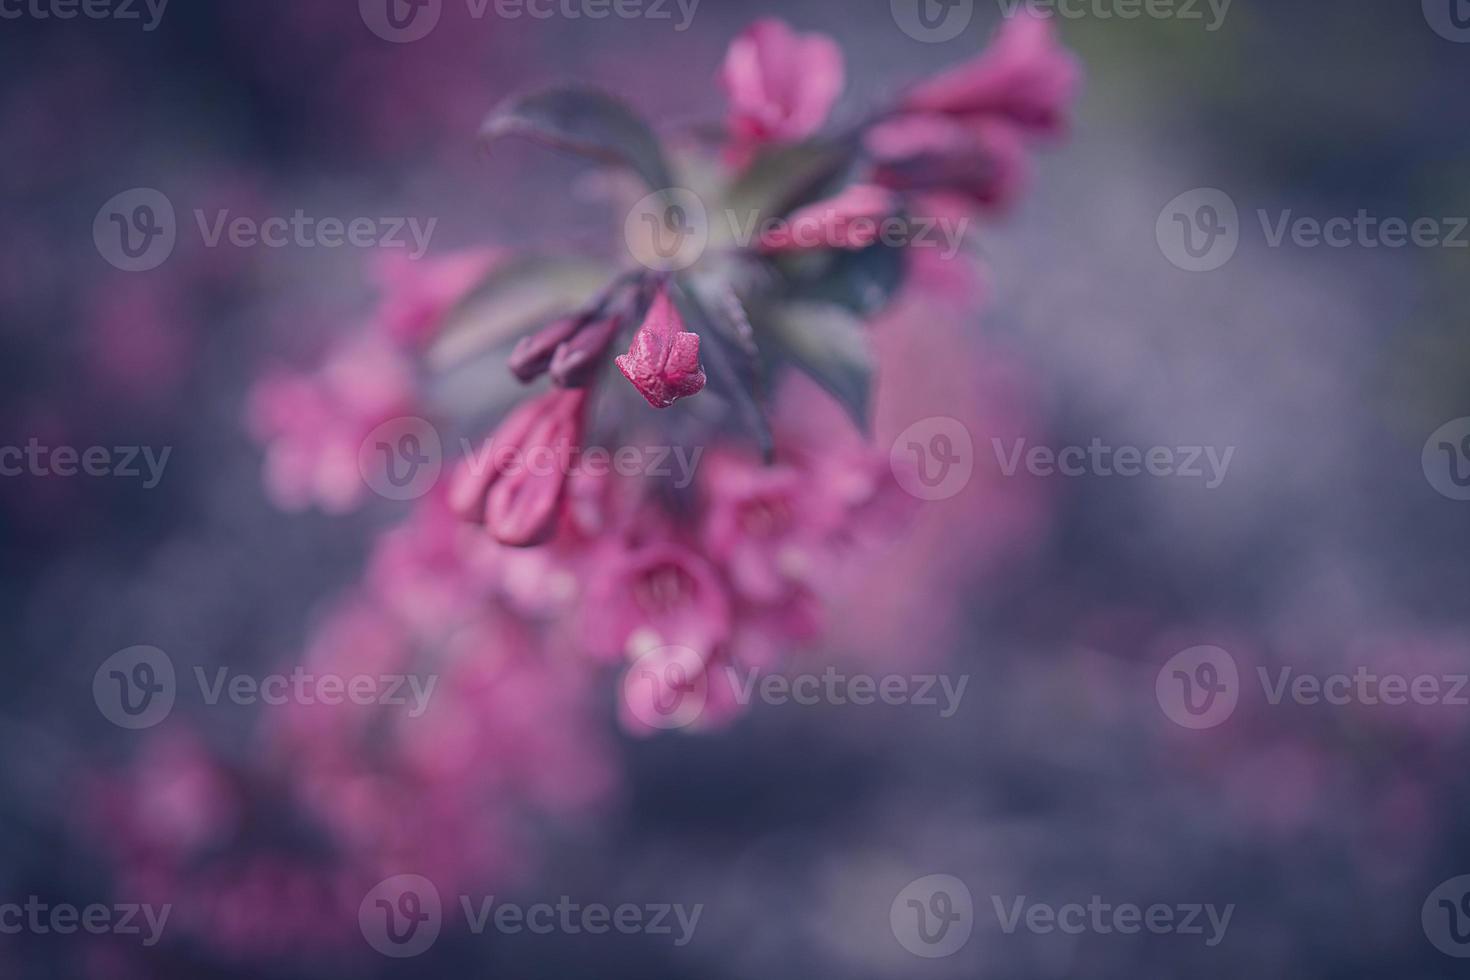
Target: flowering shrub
{"points": [[563, 538], [737, 559]]}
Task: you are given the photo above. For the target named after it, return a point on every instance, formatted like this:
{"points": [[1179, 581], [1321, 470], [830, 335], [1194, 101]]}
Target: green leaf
{"points": [[783, 179], [830, 344], [516, 295], [585, 121], [729, 345], [862, 281]]}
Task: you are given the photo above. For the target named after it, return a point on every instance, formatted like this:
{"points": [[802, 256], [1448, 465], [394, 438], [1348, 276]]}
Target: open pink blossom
{"points": [[851, 220], [663, 361], [656, 594], [1025, 77], [515, 484], [781, 85], [764, 524]]}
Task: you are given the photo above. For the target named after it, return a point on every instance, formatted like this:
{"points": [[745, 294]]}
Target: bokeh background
{"points": [[1326, 548]]}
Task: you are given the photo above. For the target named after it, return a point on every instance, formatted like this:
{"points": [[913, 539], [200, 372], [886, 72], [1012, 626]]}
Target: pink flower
{"points": [[851, 220], [984, 162], [663, 361], [312, 425], [515, 485], [780, 84], [1024, 77], [656, 594], [764, 524], [418, 292]]}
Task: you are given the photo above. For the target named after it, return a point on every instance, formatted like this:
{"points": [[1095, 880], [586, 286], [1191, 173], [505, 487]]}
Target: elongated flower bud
{"points": [[514, 485]]}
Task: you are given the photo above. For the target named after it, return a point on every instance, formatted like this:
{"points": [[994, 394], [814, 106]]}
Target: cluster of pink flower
{"points": [[733, 566], [507, 577]]}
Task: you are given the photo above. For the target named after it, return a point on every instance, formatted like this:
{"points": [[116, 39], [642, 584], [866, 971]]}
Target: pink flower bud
{"points": [[515, 484], [1024, 77], [984, 161], [532, 354], [663, 361], [851, 220], [780, 84], [578, 360]]}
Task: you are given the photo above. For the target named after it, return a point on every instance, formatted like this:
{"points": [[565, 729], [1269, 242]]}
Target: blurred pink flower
{"points": [[1025, 77], [660, 593], [851, 220], [416, 293], [312, 425], [984, 162], [781, 85]]}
